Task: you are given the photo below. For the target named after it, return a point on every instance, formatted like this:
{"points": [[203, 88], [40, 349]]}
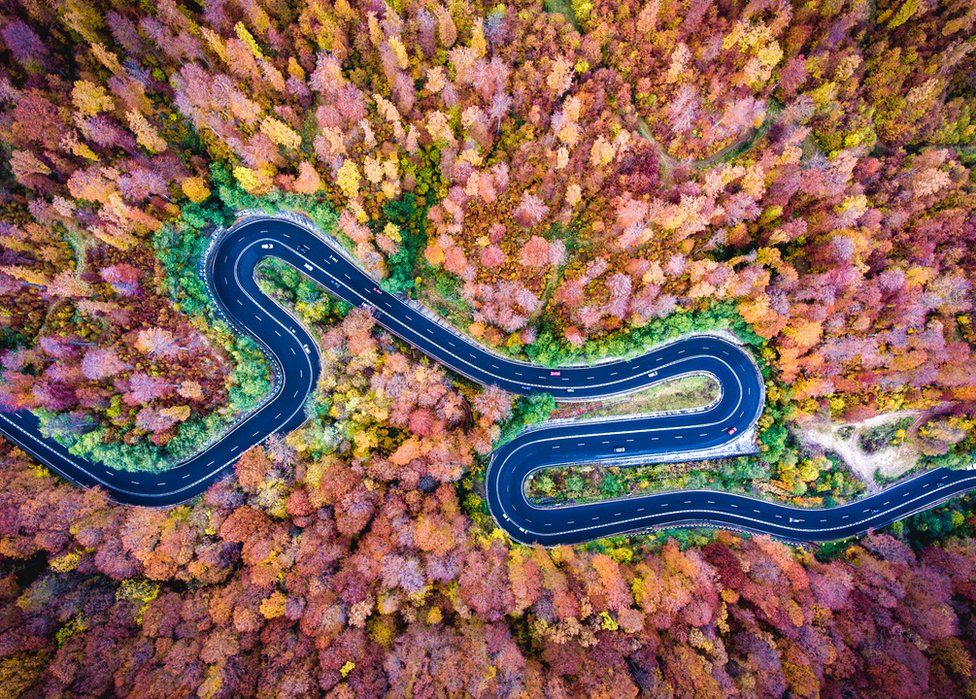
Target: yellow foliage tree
{"points": [[146, 135], [25, 274], [253, 181], [273, 606], [195, 189], [348, 179], [90, 99], [279, 132], [244, 35]]}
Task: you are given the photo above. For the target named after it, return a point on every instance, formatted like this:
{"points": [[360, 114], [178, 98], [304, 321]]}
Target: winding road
{"points": [[725, 427]]}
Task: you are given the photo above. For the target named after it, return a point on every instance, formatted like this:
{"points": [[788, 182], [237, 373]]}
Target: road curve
{"points": [[726, 426]]}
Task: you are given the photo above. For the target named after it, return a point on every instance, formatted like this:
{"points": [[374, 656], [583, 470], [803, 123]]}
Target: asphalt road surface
{"points": [[724, 427]]}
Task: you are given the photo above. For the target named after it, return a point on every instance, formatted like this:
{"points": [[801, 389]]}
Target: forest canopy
{"points": [[561, 181]]}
